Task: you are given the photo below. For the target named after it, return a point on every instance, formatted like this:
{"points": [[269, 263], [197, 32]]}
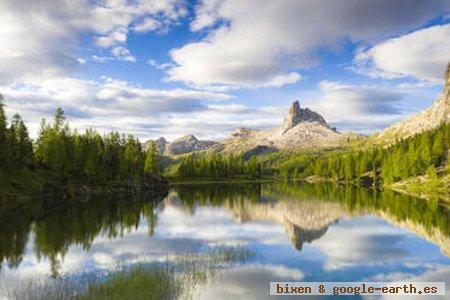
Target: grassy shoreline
{"points": [[421, 187], [408, 186], [173, 182], [180, 276]]}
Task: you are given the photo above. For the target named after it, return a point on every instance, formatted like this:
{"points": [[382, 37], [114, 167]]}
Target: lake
{"points": [[294, 232]]}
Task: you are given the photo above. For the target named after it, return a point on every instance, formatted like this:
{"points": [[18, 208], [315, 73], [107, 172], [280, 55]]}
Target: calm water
{"points": [[296, 232]]}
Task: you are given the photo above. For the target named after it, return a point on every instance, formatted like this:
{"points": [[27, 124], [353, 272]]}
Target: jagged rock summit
{"points": [[297, 115], [302, 128], [432, 117]]}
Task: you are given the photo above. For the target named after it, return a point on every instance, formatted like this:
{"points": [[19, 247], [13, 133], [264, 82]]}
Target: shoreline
{"points": [[315, 180]]}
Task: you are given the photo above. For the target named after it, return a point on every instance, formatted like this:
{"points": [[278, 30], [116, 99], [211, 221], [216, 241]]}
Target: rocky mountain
{"points": [[301, 129], [182, 145], [186, 144], [432, 117], [161, 144], [297, 115]]}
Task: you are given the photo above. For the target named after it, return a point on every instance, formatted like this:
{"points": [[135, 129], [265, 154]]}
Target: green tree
{"points": [[432, 179], [438, 149], [54, 148], [4, 139], [21, 146], [152, 160], [448, 164]]}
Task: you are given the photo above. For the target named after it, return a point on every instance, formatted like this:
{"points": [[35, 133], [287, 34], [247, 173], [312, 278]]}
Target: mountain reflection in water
{"points": [[103, 230]]}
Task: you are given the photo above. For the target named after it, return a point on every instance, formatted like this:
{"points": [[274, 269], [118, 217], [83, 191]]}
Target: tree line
{"points": [[216, 166], [417, 155], [61, 155]]}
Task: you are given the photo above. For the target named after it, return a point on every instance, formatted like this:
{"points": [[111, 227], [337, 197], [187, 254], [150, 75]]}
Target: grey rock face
{"points": [[161, 144], [297, 115], [186, 144], [241, 132]]}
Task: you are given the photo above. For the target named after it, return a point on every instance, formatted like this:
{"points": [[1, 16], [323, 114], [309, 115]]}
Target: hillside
{"points": [[430, 118]]}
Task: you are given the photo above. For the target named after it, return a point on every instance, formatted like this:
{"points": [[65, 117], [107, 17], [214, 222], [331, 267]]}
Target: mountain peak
{"points": [[187, 137], [297, 115], [186, 144]]}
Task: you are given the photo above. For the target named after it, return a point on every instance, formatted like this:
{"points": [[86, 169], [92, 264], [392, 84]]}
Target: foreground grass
{"points": [[179, 277], [139, 283]]}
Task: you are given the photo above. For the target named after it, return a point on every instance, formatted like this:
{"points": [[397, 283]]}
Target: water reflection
{"points": [[56, 230], [307, 210], [298, 231]]}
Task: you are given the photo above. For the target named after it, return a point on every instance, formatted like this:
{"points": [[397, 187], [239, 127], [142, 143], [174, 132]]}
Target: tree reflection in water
{"points": [[305, 210]]}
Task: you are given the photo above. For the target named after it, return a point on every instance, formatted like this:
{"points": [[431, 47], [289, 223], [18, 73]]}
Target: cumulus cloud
{"points": [[422, 54], [118, 53], [122, 53], [206, 14], [357, 107], [107, 104], [263, 42], [147, 24], [40, 38], [355, 242], [116, 36]]}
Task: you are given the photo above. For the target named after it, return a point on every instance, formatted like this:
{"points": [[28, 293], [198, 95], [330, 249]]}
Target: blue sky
{"points": [[172, 67]]}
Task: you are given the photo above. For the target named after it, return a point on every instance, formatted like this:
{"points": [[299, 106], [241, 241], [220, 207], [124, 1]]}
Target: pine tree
{"points": [[432, 178], [448, 164], [21, 146], [438, 148], [4, 139], [152, 160]]}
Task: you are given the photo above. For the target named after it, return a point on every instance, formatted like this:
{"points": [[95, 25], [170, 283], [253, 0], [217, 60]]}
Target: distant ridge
{"points": [[302, 128], [185, 144]]}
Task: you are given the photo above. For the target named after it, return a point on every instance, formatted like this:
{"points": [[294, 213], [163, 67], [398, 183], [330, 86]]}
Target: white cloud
{"points": [[357, 107], [281, 80], [422, 54], [263, 42], [123, 53], [118, 53], [350, 245], [116, 36], [110, 104], [41, 38], [160, 66], [107, 104], [147, 24], [206, 14]]}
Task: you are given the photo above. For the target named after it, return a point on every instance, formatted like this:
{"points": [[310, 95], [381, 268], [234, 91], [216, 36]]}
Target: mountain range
{"points": [[304, 129]]}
